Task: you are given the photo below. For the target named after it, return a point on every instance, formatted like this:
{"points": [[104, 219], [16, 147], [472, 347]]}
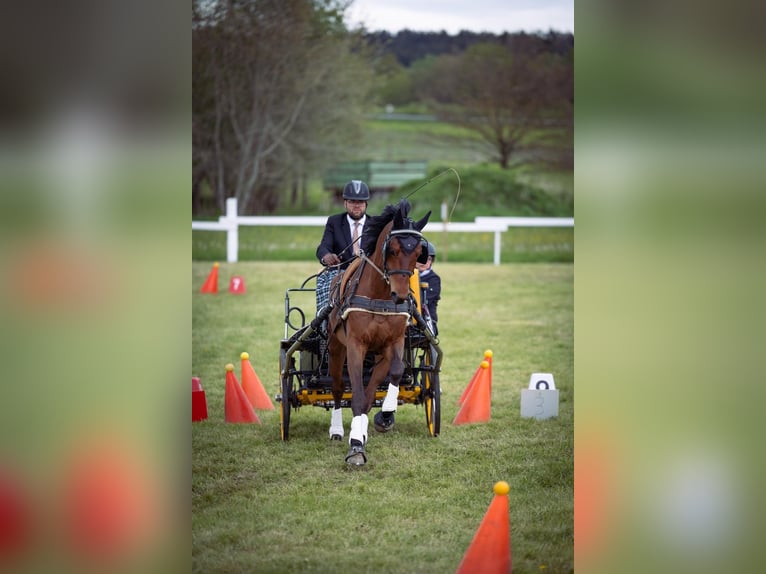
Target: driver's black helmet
{"points": [[431, 250], [357, 190]]}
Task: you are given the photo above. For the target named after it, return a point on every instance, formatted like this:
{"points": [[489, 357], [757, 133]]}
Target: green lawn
{"points": [[551, 244], [436, 142], [261, 505]]}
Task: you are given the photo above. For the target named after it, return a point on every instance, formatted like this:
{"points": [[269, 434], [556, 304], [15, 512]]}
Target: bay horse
{"points": [[371, 308]]}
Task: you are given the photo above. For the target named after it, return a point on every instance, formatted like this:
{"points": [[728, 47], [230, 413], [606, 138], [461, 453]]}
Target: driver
{"points": [[342, 237]]}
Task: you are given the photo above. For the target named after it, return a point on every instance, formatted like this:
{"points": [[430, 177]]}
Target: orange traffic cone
{"points": [[476, 407], [199, 403], [470, 385], [488, 358], [211, 283], [237, 284], [490, 549], [238, 407], [253, 387]]}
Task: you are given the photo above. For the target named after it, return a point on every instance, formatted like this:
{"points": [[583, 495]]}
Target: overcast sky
{"points": [[454, 15]]}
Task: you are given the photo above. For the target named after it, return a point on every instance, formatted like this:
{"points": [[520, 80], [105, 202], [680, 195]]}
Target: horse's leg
{"points": [[337, 355], [357, 438], [384, 418], [382, 362]]}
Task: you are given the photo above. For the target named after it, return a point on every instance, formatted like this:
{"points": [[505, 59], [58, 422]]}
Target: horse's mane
{"points": [[376, 223]]}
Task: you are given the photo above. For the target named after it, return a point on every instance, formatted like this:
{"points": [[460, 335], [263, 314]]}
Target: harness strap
{"points": [[385, 274], [414, 232], [366, 259], [375, 306], [349, 310], [406, 272]]}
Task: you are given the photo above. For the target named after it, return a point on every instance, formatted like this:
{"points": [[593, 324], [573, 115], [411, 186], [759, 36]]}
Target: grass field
{"points": [[541, 244], [431, 141], [261, 505]]}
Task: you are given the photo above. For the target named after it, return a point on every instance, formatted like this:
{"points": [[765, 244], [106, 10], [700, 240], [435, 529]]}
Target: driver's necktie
{"points": [[356, 238]]}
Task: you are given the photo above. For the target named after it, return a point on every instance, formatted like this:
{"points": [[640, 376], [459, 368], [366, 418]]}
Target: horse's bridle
{"points": [[386, 272]]}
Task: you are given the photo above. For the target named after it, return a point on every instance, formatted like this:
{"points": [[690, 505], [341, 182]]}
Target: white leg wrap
{"points": [[390, 402], [358, 429], [336, 423]]}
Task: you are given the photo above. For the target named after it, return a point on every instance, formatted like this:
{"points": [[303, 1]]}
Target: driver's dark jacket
{"points": [[337, 239]]}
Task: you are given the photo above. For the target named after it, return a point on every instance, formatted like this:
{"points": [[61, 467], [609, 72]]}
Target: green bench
{"points": [[379, 175]]}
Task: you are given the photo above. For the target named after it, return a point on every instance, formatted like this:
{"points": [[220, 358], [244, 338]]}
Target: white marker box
{"points": [[541, 399], [539, 403]]}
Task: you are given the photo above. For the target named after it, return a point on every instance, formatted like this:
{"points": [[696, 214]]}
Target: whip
{"points": [[437, 176]]}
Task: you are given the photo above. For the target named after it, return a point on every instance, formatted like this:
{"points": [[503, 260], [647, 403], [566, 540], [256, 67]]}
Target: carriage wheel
{"points": [[287, 390], [432, 395]]}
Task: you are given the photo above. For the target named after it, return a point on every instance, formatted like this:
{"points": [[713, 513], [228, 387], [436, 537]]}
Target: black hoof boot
{"points": [[356, 455], [383, 422], [336, 437]]}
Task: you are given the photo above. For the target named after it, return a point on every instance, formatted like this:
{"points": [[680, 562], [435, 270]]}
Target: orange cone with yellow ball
{"points": [[477, 404], [490, 549], [253, 387], [238, 408], [488, 358], [211, 283]]}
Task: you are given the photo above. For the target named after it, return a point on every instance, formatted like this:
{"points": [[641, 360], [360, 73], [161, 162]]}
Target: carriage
{"points": [[304, 361]]}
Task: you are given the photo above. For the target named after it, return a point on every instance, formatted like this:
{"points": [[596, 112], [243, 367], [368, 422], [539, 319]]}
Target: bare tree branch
{"points": [[286, 92]]}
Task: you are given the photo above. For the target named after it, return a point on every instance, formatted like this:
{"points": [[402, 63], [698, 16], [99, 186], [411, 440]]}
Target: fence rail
{"points": [[231, 221]]}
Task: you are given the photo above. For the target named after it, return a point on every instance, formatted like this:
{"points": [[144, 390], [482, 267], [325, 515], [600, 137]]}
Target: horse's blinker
{"points": [[404, 233]]}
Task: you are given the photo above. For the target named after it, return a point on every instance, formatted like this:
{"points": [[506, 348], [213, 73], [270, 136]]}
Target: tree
{"points": [[277, 90], [520, 104], [393, 82]]}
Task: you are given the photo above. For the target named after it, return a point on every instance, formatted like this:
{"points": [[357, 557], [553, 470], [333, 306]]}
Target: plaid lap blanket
{"points": [[323, 287]]}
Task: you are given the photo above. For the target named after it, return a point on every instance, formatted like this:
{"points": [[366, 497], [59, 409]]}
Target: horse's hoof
{"points": [[356, 456], [336, 437], [383, 422]]}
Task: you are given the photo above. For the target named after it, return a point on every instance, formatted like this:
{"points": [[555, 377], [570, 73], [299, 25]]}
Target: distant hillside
{"points": [[486, 190], [408, 46]]}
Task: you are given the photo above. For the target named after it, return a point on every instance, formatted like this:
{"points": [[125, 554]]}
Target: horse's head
{"points": [[402, 247]]}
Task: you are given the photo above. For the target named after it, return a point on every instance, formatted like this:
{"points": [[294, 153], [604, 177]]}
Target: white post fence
{"points": [[231, 221]]}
